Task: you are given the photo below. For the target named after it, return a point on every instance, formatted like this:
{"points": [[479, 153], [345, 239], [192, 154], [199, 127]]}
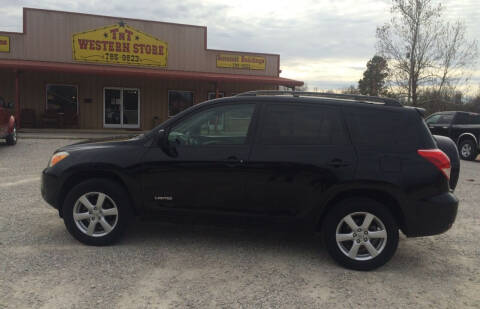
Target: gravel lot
{"points": [[164, 265]]}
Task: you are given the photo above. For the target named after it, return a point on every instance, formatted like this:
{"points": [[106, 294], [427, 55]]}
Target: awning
{"points": [[27, 65]]}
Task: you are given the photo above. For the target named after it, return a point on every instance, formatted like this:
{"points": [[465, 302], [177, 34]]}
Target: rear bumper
{"points": [[50, 188], [432, 216]]}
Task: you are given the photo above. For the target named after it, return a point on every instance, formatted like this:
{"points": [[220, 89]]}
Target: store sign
{"points": [[119, 44], [4, 44], [240, 62]]}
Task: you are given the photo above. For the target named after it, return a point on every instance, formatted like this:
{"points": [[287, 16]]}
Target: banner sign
{"points": [[240, 62], [120, 44], [4, 44]]}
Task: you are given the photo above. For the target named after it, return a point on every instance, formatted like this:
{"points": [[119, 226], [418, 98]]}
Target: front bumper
{"points": [[50, 188], [432, 216]]}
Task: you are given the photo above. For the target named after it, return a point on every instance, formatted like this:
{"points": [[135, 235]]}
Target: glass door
{"points": [[121, 108]]}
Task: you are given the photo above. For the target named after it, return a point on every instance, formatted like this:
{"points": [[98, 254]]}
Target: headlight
{"points": [[57, 157]]}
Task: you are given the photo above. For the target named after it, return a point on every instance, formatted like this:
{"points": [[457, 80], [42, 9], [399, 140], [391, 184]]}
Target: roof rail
{"points": [[361, 98]]}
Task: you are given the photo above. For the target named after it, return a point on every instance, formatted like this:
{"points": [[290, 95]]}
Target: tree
{"points": [[456, 55], [423, 49], [373, 81]]}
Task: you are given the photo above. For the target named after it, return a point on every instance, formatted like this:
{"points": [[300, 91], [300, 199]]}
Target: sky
{"points": [[325, 43]]}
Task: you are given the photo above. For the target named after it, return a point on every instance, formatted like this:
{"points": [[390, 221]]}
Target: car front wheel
{"points": [[360, 234], [97, 212]]}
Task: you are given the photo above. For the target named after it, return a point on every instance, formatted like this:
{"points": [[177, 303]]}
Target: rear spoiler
{"points": [[421, 111]]}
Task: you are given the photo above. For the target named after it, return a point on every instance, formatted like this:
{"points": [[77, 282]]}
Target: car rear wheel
{"points": [[12, 137], [468, 150], [360, 234], [96, 212]]}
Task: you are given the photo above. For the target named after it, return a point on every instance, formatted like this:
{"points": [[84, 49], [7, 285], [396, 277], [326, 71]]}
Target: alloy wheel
{"points": [[466, 150], [95, 214], [361, 236]]}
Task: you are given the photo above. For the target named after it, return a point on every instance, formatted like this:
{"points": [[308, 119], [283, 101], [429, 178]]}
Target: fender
{"points": [[467, 134], [87, 171], [11, 124], [323, 202]]}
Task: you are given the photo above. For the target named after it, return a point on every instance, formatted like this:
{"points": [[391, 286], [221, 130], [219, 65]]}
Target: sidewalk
{"points": [[81, 134]]}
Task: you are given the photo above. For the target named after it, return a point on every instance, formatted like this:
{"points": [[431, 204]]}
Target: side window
{"points": [[382, 128], [445, 119], [433, 119], [2, 102], [463, 118], [302, 124], [220, 125], [476, 119]]}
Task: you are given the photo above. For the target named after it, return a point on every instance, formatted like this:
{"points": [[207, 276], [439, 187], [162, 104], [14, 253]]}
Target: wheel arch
{"points": [[82, 176], [382, 196], [467, 136]]}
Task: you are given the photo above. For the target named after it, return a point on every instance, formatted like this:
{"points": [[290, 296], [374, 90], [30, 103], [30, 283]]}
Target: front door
{"points": [[121, 108], [440, 124], [206, 169]]}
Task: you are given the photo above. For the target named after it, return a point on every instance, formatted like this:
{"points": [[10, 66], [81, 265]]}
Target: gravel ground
{"points": [[164, 265]]}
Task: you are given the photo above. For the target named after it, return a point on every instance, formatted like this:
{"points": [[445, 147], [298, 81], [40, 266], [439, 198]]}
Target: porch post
{"points": [[17, 99]]}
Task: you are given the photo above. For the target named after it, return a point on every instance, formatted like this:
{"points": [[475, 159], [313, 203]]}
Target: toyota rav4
{"points": [[356, 169]]}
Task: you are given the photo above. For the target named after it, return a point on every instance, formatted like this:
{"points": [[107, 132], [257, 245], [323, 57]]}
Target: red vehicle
{"points": [[8, 129]]}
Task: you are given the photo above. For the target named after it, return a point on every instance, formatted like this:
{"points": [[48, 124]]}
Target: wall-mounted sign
{"points": [[120, 44], [4, 44], [240, 62]]}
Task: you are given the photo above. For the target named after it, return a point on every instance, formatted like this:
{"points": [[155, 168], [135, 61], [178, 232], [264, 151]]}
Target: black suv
{"points": [[357, 169], [461, 127]]}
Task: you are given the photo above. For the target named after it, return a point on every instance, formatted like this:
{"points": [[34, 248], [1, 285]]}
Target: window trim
{"points": [[168, 101], [59, 84], [251, 132]]}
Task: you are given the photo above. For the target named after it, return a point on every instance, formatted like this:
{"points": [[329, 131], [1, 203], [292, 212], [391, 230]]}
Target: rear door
{"points": [[300, 151]]}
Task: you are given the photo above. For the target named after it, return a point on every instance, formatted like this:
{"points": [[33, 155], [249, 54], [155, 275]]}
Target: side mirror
{"points": [[164, 144]]}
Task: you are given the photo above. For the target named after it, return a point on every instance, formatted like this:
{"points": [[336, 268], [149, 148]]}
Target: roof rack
{"points": [[360, 98]]}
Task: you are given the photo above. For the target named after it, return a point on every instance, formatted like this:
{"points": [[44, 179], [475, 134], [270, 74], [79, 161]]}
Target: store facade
{"points": [[72, 70]]}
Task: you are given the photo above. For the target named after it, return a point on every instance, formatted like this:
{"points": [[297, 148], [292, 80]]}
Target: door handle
{"points": [[338, 163]]}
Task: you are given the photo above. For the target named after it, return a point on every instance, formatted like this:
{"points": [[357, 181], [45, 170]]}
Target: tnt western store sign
{"points": [[120, 44]]}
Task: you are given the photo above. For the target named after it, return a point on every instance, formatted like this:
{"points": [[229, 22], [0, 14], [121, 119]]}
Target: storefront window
{"points": [[62, 99], [178, 101]]}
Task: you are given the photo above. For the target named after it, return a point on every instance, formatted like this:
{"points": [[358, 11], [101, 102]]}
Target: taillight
{"points": [[438, 158]]}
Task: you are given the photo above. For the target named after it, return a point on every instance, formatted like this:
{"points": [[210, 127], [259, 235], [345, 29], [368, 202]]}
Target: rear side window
{"points": [[463, 118], [383, 129], [302, 124]]}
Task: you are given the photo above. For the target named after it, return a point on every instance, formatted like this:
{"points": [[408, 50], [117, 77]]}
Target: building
{"points": [[92, 72]]}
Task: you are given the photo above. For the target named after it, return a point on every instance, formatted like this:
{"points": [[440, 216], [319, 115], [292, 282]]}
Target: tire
{"points": [[382, 224], [12, 137], [468, 150], [83, 200]]}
